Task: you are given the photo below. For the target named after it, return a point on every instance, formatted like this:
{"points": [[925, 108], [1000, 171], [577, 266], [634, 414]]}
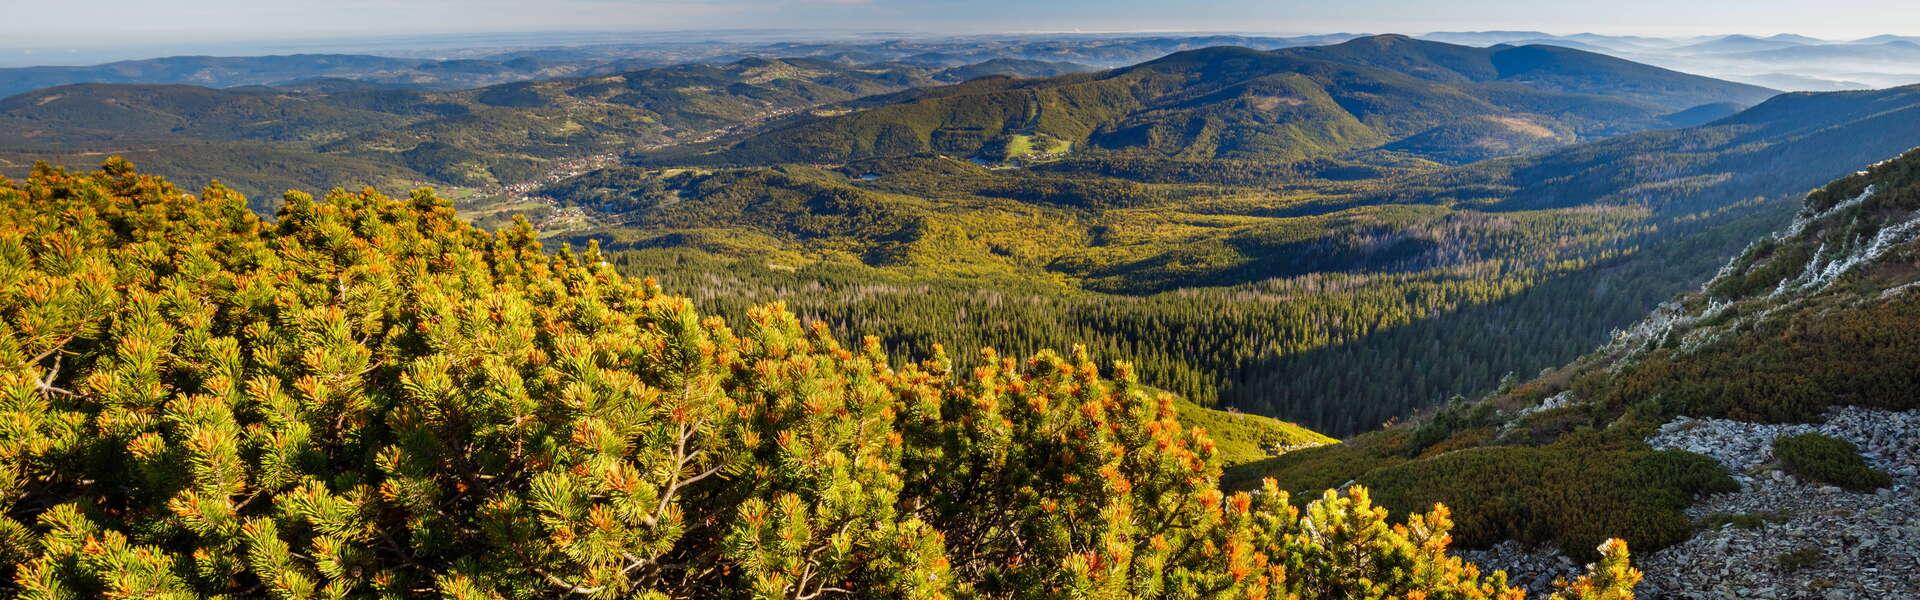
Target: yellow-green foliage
{"points": [[367, 397], [1241, 438]]}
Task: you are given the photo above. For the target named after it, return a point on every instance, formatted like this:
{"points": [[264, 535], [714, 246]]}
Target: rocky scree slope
{"points": [[1811, 330]]}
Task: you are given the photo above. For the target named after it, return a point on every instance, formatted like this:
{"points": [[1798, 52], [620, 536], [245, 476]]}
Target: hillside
{"points": [[1813, 324], [1539, 67], [488, 136], [1327, 292], [1011, 67], [1790, 142], [1285, 105], [1721, 185], [367, 396]]}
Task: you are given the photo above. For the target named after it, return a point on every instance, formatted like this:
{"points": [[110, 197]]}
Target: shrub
{"points": [[1798, 559], [1739, 520], [367, 397], [1573, 493], [1827, 459]]}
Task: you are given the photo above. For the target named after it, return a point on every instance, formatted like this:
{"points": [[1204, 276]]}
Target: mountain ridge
{"points": [[1229, 102]]}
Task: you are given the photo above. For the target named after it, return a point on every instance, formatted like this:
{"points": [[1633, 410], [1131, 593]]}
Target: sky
{"points": [[50, 24]]}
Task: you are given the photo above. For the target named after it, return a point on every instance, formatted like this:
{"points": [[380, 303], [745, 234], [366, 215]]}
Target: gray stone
{"points": [[1870, 542]]}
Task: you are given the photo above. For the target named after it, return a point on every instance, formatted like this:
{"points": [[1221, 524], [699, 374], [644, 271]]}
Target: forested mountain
{"points": [[1713, 182], [1011, 67], [1540, 67], [1793, 141], [1816, 316], [372, 134], [367, 396], [1026, 53], [1339, 303], [498, 134], [1437, 100]]}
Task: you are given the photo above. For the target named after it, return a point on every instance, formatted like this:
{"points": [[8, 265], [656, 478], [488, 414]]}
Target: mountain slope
{"points": [[1212, 277], [1237, 103], [1540, 67], [1816, 316], [1791, 142], [79, 115], [1013, 67], [1711, 188], [487, 136]]}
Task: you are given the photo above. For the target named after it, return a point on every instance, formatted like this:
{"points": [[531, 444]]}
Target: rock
{"points": [[1867, 542]]}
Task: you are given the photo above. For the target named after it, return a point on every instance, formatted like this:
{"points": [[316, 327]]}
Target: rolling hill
{"points": [[1009, 67], [1744, 43], [481, 137], [484, 137], [1238, 103]]}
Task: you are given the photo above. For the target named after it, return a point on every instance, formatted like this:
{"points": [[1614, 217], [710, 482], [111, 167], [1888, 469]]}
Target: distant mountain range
{"points": [[1734, 57], [1442, 101], [1747, 43], [478, 137], [1784, 61], [1393, 94], [1790, 142], [1026, 52], [221, 72], [1390, 94]]}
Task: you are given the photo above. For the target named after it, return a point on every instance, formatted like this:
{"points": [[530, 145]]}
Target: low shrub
{"points": [[1798, 559], [1739, 520], [1827, 459], [1573, 493]]}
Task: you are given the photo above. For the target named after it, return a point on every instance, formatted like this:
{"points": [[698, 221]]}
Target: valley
{"points": [[980, 316], [1374, 226]]}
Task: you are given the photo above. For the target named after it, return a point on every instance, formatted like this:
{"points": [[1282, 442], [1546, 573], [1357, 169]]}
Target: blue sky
{"points": [[50, 23]]}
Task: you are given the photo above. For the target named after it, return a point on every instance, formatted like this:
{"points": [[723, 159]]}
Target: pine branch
{"points": [[568, 587], [45, 384]]}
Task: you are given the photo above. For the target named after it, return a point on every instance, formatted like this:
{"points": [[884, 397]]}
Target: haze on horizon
{"points": [[40, 25]]}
